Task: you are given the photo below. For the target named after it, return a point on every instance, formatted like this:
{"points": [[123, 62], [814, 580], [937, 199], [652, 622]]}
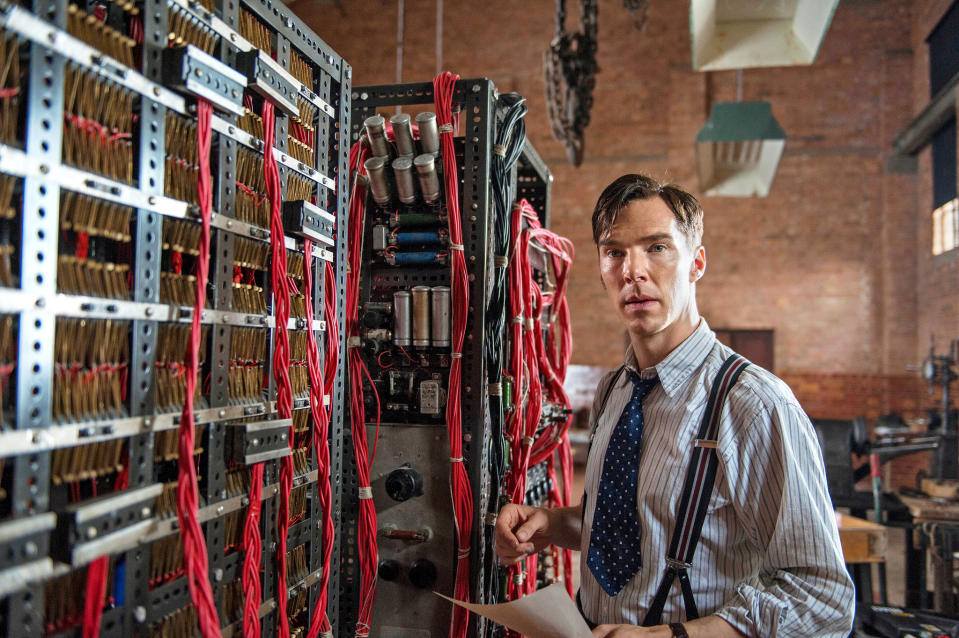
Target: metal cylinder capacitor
{"points": [[379, 184], [403, 135], [375, 127], [440, 316], [421, 316], [402, 318], [429, 134], [429, 180], [403, 172]]}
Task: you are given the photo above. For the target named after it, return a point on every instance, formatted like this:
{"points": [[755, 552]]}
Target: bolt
{"points": [[156, 91], [145, 512], [221, 413], [152, 200], [476, 88], [140, 614], [364, 95], [30, 548], [475, 140], [91, 532], [469, 389], [41, 302], [44, 169], [217, 574], [255, 443], [219, 509]]}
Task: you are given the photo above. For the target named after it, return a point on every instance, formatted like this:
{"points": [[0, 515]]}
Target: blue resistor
{"points": [[119, 583], [418, 238], [410, 259]]}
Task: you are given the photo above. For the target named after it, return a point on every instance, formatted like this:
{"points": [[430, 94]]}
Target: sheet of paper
{"points": [[547, 613]]}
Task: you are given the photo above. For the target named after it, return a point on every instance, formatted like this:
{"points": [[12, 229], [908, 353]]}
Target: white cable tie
{"points": [[463, 553], [529, 323], [456, 246], [456, 355], [519, 578], [500, 261], [444, 128], [516, 206], [456, 459], [326, 634], [365, 493], [354, 342], [499, 149], [495, 389], [518, 319], [528, 440]]}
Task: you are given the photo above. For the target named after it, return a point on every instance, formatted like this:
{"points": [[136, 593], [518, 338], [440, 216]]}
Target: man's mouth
{"points": [[639, 302]]}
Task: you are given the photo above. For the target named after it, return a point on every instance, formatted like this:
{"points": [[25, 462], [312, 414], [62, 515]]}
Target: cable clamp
{"points": [[518, 319], [495, 389], [463, 553], [456, 459], [519, 578], [529, 323], [456, 355], [365, 493], [499, 149], [456, 247], [444, 128], [500, 261], [528, 440], [354, 342]]}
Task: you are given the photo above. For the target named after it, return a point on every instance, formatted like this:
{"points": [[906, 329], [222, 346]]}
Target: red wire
{"points": [[281, 352], [97, 576], [366, 545], [195, 561], [444, 86]]}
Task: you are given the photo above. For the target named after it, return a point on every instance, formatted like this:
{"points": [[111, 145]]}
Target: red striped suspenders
{"points": [[696, 493]]}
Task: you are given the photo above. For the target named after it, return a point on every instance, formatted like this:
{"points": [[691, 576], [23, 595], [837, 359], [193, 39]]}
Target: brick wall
{"points": [[834, 260]]}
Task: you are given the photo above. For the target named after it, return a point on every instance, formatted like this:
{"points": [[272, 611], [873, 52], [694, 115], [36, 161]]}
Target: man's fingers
{"points": [[602, 631], [527, 530]]}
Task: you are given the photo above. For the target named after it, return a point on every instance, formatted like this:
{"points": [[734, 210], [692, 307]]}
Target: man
{"points": [[768, 562]]}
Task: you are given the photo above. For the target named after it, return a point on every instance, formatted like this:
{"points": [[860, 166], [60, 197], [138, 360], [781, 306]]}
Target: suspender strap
{"points": [[696, 492]]}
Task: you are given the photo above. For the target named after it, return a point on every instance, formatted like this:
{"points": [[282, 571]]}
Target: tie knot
{"points": [[641, 387]]}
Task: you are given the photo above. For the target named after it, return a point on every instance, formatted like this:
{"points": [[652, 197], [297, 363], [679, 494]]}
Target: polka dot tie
{"points": [[614, 543]]}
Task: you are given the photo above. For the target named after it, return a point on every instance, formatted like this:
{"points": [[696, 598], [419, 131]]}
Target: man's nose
{"points": [[635, 267]]}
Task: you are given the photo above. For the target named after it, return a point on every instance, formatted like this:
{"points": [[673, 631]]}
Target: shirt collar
{"points": [[680, 364]]}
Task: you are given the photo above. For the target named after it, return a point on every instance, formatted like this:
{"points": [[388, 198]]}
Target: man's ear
{"points": [[698, 267]]}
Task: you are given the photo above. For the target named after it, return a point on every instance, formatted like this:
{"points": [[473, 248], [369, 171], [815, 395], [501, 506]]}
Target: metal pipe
{"points": [[403, 135], [440, 316], [402, 318], [375, 127], [421, 316], [429, 134], [379, 185], [429, 181], [403, 171]]}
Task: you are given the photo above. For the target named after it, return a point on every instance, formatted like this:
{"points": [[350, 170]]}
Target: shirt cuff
{"points": [[753, 612]]}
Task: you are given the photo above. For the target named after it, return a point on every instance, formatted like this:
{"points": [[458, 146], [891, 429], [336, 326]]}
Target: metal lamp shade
{"points": [[738, 150], [740, 34]]}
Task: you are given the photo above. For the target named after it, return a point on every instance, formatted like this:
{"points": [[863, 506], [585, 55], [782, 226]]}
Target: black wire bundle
{"points": [[510, 139]]}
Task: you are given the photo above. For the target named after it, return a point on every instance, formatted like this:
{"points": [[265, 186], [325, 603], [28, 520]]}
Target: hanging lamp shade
{"points": [[739, 34], [738, 150]]}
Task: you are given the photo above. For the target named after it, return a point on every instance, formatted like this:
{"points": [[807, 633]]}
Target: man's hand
{"points": [[632, 631], [521, 530]]}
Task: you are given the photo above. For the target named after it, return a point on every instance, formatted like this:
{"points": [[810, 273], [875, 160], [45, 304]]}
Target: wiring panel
{"points": [[437, 174], [170, 388]]}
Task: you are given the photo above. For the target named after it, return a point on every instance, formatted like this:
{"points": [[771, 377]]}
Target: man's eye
{"points": [[659, 248], [614, 252]]}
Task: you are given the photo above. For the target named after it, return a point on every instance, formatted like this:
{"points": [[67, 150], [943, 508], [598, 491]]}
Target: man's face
{"points": [[649, 271]]}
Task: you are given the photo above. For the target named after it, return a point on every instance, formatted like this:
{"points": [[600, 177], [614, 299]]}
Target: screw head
{"points": [[91, 532], [139, 614]]}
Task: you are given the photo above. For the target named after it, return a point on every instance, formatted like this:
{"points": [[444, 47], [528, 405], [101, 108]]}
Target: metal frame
{"points": [[36, 303]]}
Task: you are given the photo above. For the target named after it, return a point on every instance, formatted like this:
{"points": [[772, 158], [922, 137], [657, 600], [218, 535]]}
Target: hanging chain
{"points": [[570, 65]]}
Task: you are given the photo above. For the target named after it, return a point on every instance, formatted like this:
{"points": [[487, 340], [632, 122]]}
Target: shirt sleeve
{"points": [[778, 486]]}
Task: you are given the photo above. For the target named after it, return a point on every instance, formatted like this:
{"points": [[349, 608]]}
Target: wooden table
{"points": [[862, 541]]}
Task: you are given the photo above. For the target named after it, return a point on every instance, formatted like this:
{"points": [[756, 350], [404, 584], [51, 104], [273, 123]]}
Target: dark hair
{"points": [[685, 207]]}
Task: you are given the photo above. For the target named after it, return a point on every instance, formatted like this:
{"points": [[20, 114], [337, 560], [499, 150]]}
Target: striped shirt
{"points": [[769, 560]]}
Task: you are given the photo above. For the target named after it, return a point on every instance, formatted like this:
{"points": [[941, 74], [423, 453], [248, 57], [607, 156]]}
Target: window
{"points": [[943, 66]]}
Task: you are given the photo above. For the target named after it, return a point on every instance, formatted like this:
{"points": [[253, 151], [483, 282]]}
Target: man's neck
{"points": [[649, 350]]}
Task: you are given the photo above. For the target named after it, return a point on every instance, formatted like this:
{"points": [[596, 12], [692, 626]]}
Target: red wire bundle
{"points": [[281, 351], [321, 421], [531, 359], [443, 87], [366, 546], [195, 561], [97, 577]]}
